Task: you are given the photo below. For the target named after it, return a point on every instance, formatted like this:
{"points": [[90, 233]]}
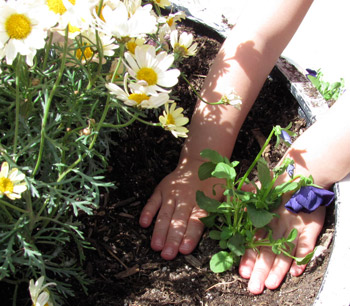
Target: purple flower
{"points": [[290, 170], [285, 136], [311, 72], [309, 198]]}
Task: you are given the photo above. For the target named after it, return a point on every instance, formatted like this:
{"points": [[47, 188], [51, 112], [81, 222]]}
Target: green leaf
{"points": [[225, 206], [234, 163], [212, 155], [209, 221], [226, 233], [205, 170], [223, 244], [224, 171], [236, 244], [221, 262], [260, 217], [292, 235], [275, 249], [206, 203], [215, 235], [286, 187], [263, 173], [306, 259]]}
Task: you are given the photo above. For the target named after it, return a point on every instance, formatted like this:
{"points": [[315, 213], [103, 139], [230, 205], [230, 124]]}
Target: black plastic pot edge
{"points": [[335, 287]]}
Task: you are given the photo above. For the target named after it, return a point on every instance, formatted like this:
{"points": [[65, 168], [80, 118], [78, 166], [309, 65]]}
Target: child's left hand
{"points": [[268, 269]]}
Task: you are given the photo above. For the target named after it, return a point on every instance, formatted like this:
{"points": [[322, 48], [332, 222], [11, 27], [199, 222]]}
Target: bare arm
{"points": [[246, 58], [322, 151]]}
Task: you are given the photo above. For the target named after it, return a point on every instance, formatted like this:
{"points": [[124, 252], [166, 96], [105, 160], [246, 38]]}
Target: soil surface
{"points": [[125, 270]]}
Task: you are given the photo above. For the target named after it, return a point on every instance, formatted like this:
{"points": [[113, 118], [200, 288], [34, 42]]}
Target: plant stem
{"points": [[47, 51], [17, 81], [256, 159], [48, 103], [13, 207]]}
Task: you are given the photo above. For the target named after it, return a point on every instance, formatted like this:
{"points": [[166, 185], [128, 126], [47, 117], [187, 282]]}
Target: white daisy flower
{"points": [[168, 24], [231, 98], [128, 19], [88, 50], [76, 14], [39, 293], [23, 29], [133, 43], [183, 45], [138, 97], [162, 3], [12, 182], [151, 69], [172, 19], [173, 120]]}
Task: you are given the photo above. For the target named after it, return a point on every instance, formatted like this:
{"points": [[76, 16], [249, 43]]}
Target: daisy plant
{"points": [[72, 73]]}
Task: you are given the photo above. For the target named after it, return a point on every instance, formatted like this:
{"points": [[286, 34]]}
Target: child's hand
{"points": [[269, 269], [177, 228]]}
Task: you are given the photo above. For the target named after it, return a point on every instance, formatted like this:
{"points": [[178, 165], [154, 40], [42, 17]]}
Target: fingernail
{"points": [[296, 271], [157, 243], [255, 287], [168, 252], [271, 281], [185, 246], [245, 272], [144, 221]]}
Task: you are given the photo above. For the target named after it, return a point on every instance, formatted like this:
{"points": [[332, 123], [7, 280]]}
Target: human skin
{"points": [[323, 151], [243, 63]]}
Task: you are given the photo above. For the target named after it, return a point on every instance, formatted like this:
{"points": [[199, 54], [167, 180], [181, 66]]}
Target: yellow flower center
{"points": [[73, 29], [170, 21], [148, 75], [180, 49], [131, 46], [57, 6], [138, 98], [18, 26], [170, 119], [6, 185], [84, 53]]}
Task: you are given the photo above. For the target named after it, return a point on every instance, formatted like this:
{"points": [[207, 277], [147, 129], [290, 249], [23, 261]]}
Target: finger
{"points": [[261, 269], [150, 209], [306, 243], [278, 271], [308, 237], [263, 264], [176, 232], [247, 263], [162, 224], [193, 232]]}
